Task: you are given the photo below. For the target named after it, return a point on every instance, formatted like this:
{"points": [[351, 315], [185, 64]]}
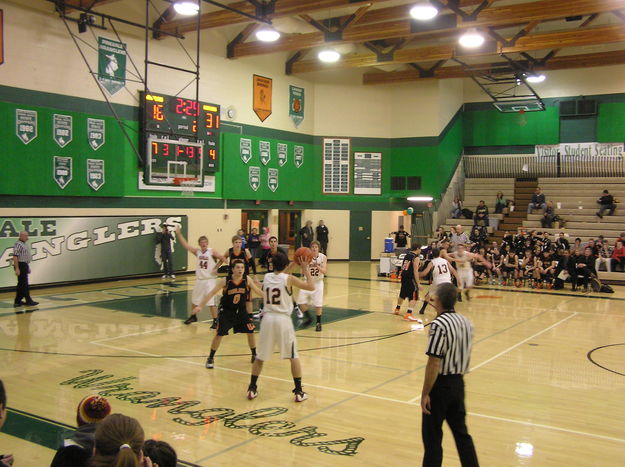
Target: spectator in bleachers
{"points": [[621, 238], [604, 256], [585, 267], [91, 411], [577, 245], [160, 453], [538, 201], [456, 208], [440, 234], [481, 215], [459, 237], [119, 441], [606, 201], [476, 236], [548, 216], [562, 242], [618, 256], [5, 459], [501, 204], [594, 246]]}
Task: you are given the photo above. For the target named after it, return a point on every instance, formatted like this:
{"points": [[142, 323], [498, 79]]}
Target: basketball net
{"points": [[521, 119]]}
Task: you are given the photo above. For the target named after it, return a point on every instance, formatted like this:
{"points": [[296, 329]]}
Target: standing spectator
{"points": [[606, 201], [243, 237], [306, 234], [164, 239], [442, 397], [604, 255], [264, 246], [253, 243], [481, 215], [323, 236], [6, 459], [21, 260], [538, 201], [401, 238], [618, 256], [548, 216], [459, 237], [456, 208], [501, 204]]}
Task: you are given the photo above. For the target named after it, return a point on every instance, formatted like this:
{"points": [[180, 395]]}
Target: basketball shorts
{"points": [[466, 274], [409, 289], [507, 269], [201, 289], [312, 296], [276, 330], [237, 320]]}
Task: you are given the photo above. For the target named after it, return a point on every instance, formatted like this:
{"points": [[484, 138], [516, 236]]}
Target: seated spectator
{"points": [[577, 245], [160, 453], [594, 246], [604, 256], [548, 216], [5, 459], [562, 242], [618, 256], [456, 208], [440, 234], [501, 204], [91, 410], [481, 215], [476, 236], [71, 456], [584, 268], [538, 201], [606, 201], [119, 441]]}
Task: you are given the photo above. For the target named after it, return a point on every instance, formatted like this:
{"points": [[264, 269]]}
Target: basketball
{"points": [[303, 252]]}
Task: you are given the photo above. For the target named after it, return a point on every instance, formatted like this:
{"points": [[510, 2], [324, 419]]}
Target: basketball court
{"points": [[545, 387]]}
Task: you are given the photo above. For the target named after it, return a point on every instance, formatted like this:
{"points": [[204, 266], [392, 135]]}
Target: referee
{"points": [[21, 258], [442, 397]]}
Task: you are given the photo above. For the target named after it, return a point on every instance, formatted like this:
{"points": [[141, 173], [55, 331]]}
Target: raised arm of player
{"points": [[255, 285], [300, 284], [221, 283], [183, 241]]}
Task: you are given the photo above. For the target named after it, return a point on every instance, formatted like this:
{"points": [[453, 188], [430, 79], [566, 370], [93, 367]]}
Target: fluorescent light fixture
{"points": [[534, 78], [423, 11], [419, 198], [329, 55], [267, 34], [471, 39], [186, 7]]}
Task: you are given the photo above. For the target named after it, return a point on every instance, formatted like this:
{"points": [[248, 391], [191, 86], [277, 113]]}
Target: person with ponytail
{"points": [[119, 443]]}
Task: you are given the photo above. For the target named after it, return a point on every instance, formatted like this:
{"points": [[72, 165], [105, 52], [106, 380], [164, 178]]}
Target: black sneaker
{"points": [[318, 327], [210, 363], [32, 303], [300, 396], [15, 304], [252, 392], [191, 319], [214, 325]]}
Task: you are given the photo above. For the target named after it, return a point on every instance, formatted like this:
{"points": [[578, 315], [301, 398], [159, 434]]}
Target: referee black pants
{"points": [[447, 403], [22, 284]]}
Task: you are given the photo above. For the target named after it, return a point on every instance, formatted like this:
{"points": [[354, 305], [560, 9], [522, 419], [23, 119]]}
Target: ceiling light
{"points": [[419, 198], [534, 78], [329, 55], [423, 11], [186, 7], [267, 34], [471, 39]]}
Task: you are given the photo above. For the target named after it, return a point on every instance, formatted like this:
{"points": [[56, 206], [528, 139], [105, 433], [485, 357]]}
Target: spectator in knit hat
{"points": [[90, 411]]}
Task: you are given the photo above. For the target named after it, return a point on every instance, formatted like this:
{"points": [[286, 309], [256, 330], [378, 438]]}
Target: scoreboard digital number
{"points": [[181, 138]]}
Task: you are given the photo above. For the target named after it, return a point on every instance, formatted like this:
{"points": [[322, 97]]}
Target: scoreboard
{"points": [[180, 138]]}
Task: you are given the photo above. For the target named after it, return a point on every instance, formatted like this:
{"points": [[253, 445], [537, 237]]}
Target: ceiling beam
{"points": [[491, 17], [574, 38], [84, 4]]}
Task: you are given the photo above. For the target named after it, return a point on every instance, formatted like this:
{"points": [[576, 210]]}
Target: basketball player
{"points": [[510, 267], [495, 260], [318, 269], [463, 261], [236, 289], [205, 275], [277, 326], [273, 249], [237, 251], [441, 273], [409, 273]]}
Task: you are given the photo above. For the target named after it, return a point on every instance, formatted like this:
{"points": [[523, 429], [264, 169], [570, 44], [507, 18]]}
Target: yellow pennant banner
{"points": [[262, 97]]}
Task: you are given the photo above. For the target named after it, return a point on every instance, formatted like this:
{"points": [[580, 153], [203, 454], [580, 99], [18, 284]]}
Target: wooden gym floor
{"points": [[546, 387]]}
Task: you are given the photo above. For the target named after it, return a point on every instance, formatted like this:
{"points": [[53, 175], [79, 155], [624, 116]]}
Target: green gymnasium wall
{"points": [[611, 122]]}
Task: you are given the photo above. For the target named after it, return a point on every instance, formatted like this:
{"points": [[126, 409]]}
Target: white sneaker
{"points": [[164, 276], [300, 396], [299, 313], [173, 276], [252, 393]]}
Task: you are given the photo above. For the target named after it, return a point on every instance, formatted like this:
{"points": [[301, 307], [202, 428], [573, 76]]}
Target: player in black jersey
{"points": [[409, 272], [495, 259], [547, 269], [236, 289], [238, 252]]}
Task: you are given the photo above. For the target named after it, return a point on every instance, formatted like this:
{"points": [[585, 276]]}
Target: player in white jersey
{"points": [[318, 268], [463, 260], [442, 271], [205, 276], [276, 327]]}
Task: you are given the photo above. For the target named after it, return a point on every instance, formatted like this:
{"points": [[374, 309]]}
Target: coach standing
{"points": [[21, 259], [442, 398], [323, 235]]}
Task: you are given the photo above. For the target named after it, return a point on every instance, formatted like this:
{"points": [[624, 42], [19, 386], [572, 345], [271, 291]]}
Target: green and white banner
{"points": [[62, 171], [95, 173], [296, 105], [282, 154], [254, 177], [272, 179], [96, 133], [265, 151], [66, 249], [26, 125], [299, 156], [62, 129], [245, 149], [111, 65]]}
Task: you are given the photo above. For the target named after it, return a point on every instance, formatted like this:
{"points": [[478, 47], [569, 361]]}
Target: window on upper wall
{"points": [[398, 183]]}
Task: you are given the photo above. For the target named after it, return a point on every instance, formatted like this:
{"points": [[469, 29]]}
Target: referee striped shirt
{"points": [[22, 252], [450, 339]]}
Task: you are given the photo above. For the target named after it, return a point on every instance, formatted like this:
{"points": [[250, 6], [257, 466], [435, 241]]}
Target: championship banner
{"points": [[272, 179], [62, 171], [282, 154], [296, 105], [254, 177], [96, 131], [262, 97], [66, 249], [62, 129], [95, 173], [580, 150], [26, 125], [265, 151], [245, 149], [299, 156], [111, 65]]}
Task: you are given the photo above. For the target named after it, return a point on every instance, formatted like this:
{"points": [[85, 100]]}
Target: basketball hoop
{"points": [[521, 119], [187, 185]]}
